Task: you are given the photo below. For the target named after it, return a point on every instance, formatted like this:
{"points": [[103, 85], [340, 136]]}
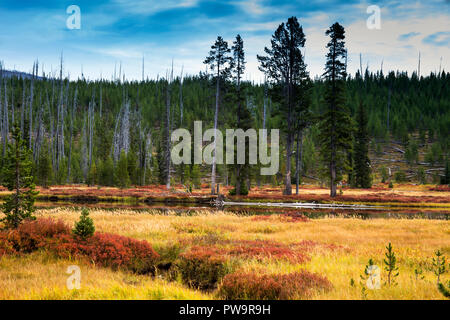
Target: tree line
{"points": [[117, 132]]}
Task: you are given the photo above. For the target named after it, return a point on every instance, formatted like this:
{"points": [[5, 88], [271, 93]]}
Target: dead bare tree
{"points": [[74, 108], [168, 128], [181, 97]]}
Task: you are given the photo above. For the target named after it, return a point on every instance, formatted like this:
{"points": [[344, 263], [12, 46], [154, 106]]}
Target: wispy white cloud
{"points": [[146, 7]]}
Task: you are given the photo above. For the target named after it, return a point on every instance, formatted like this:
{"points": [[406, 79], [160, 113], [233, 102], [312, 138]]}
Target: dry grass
{"points": [[39, 276], [343, 248]]}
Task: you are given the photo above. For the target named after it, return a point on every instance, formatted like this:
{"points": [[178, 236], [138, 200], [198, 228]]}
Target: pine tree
{"points": [[391, 265], [439, 265], [336, 123], [195, 176], [361, 159], [219, 61], [106, 174], [84, 228], [446, 178], [44, 168], [285, 66], [17, 177], [445, 290], [243, 115], [92, 178], [132, 167], [161, 164], [122, 178]]}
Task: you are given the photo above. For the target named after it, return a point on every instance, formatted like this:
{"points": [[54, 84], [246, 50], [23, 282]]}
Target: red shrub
{"points": [[108, 250], [262, 249], [5, 245], [294, 217], [261, 217], [238, 286], [104, 249], [202, 267], [118, 251], [32, 235]]}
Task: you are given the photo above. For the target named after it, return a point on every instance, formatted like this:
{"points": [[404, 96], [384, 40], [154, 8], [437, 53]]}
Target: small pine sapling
{"points": [[84, 228], [418, 273], [445, 290], [391, 265], [370, 278], [439, 265]]}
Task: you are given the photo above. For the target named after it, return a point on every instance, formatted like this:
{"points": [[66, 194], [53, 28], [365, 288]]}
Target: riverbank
{"points": [[405, 195]]}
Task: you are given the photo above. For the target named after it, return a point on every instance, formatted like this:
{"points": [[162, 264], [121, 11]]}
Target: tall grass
{"points": [[338, 249]]}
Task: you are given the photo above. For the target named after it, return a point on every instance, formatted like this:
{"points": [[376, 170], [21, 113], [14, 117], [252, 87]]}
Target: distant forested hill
{"points": [[83, 131]]}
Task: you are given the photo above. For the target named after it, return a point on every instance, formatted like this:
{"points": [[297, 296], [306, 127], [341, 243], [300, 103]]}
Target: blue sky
{"points": [[123, 31]]}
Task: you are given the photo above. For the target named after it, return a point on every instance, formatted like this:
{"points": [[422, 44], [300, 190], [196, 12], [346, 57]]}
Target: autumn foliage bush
{"points": [[203, 267], [297, 285], [32, 235], [264, 249], [104, 249]]}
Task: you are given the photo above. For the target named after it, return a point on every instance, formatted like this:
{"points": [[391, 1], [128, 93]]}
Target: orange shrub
{"points": [[294, 217], [5, 245], [263, 249], [108, 250], [202, 267], [32, 235], [239, 286]]}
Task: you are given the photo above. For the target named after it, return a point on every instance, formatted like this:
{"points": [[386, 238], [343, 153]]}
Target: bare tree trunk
{"points": [[85, 160], [13, 109], [289, 138], [30, 111], [5, 126], [74, 107], [39, 132], [148, 155], [388, 106], [298, 158], [101, 96], [168, 126], [181, 97], [22, 109], [265, 104], [1, 106], [216, 115]]}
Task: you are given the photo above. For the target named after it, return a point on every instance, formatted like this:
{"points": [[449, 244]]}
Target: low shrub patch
{"points": [[263, 249], [203, 267], [297, 285], [34, 234], [295, 217], [111, 250], [108, 250]]}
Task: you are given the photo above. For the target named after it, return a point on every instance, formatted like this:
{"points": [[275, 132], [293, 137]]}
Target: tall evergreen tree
{"points": [[336, 123], [219, 61], [285, 67], [361, 159], [17, 177], [106, 172], [122, 177], [243, 115], [445, 179], [44, 168]]}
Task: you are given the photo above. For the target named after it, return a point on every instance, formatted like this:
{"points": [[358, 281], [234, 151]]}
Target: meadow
{"points": [[334, 250]]}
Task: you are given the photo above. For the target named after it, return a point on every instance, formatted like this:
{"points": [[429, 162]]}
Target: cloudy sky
{"points": [[123, 31]]}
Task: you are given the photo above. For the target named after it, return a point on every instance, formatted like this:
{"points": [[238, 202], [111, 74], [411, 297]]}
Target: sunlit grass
{"points": [[39, 276]]}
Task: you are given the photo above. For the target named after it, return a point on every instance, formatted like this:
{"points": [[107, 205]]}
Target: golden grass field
{"points": [[42, 276]]}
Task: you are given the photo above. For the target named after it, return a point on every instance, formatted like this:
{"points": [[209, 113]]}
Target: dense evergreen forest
{"points": [[115, 132]]}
